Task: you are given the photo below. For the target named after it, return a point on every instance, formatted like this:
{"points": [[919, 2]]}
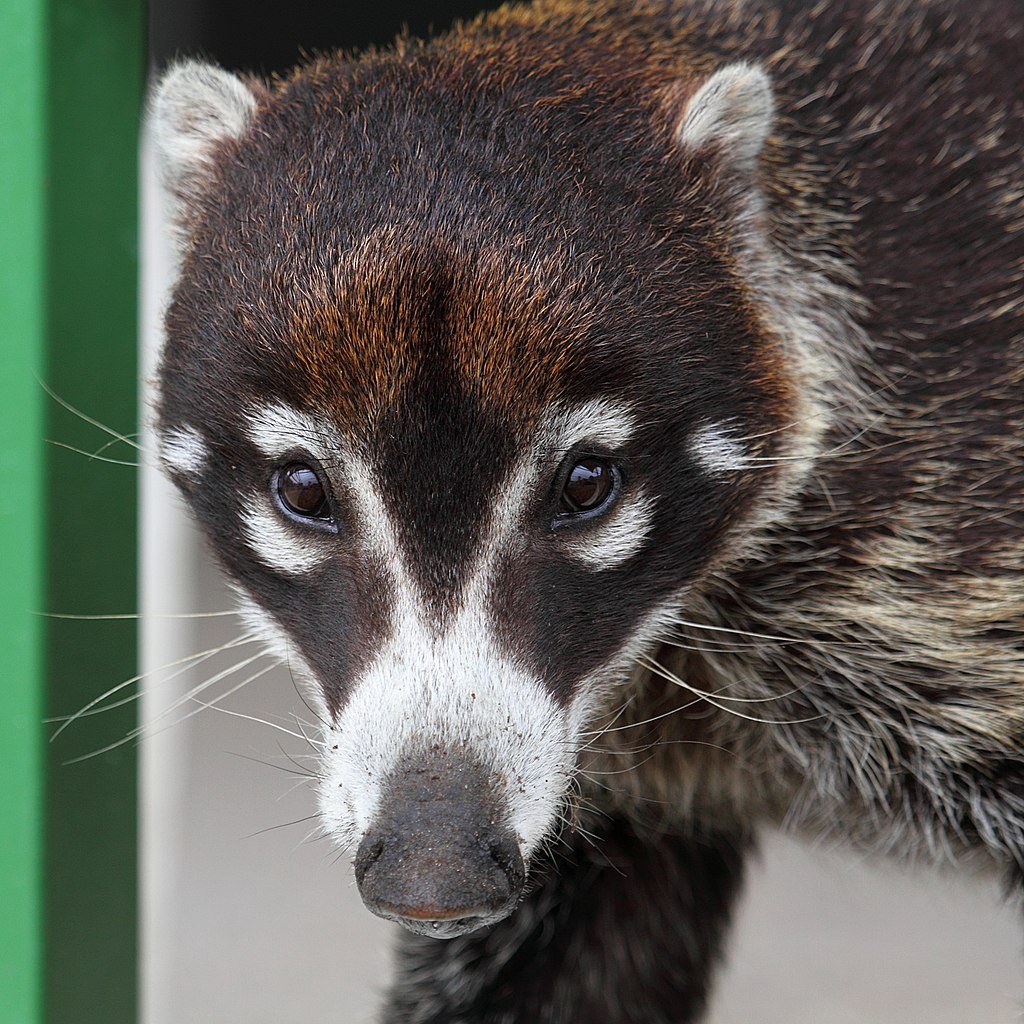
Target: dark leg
{"points": [[627, 933]]}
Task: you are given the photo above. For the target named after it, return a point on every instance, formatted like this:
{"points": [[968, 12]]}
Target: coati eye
{"points": [[590, 485], [302, 492]]}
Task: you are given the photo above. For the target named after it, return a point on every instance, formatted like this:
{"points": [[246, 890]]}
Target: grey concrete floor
{"points": [[828, 937]]}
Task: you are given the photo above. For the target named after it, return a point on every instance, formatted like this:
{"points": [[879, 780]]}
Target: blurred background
{"points": [[170, 877]]}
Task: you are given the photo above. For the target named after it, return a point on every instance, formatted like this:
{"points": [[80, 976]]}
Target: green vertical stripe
{"points": [[21, 503], [95, 71]]}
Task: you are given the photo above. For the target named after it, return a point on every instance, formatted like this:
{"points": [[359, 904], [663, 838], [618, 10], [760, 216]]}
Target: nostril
{"points": [[369, 852], [505, 852]]}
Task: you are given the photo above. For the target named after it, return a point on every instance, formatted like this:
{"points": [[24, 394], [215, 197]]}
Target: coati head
{"points": [[471, 378]]}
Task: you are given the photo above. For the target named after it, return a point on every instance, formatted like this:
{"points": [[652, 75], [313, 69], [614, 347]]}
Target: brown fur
{"points": [[901, 638], [513, 334]]}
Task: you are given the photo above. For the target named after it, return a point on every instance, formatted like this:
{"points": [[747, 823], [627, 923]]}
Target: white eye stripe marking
{"points": [[277, 545], [277, 428], [600, 420], [183, 451], [716, 452], [615, 539]]}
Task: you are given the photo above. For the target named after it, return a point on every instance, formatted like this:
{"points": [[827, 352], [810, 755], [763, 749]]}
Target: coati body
{"points": [[615, 410]]}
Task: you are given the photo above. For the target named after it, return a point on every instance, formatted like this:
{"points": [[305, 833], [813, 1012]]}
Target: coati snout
{"points": [[438, 857], [614, 411]]}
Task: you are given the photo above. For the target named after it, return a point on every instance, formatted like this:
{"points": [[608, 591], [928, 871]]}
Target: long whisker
{"points": [[301, 726], [598, 733], [191, 661], [671, 677], [712, 646], [205, 685], [618, 714], [634, 796], [298, 784], [149, 732], [88, 419], [839, 451], [792, 424], [720, 694], [109, 444], [277, 767], [655, 744], [302, 696], [93, 456], [135, 615], [286, 824], [301, 767], [760, 636], [618, 771], [312, 837], [214, 706]]}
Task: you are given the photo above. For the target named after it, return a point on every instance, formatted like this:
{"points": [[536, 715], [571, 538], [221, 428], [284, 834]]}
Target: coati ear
{"points": [[195, 108], [732, 111]]}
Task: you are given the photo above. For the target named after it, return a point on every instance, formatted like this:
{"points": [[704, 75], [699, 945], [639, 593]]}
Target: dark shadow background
{"points": [[271, 37]]}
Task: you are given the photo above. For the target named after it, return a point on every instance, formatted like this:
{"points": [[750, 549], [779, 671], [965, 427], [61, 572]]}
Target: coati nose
{"points": [[434, 886], [437, 860]]}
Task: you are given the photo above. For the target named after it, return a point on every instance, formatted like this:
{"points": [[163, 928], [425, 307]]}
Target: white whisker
{"points": [[146, 730], [136, 615], [214, 706], [216, 678], [189, 662], [759, 636], [671, 677], [88, 419], [93, 456]]}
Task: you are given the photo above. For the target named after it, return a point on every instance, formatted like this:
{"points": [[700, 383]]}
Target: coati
{"points": [[614, 410]]}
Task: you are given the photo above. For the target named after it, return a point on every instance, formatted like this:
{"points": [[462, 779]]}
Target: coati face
{"points": [[468, 395]]}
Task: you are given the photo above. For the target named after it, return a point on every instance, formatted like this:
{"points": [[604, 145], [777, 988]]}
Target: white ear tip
{"points": [[734, 108], [195, 107]]}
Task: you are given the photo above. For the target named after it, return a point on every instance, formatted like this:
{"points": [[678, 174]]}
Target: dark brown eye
{"points": [[302, 492], [589, 486]]}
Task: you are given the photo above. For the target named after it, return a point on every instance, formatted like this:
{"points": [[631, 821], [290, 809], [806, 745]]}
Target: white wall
{"points": [[240, 927]]}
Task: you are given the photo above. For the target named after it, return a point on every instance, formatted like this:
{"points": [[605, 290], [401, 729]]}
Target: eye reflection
{"points": [[589, 486], [302, 492]]}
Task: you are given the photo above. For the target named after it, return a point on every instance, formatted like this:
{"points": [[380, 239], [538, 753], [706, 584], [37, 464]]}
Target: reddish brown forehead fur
{"points": [[510, 329]]}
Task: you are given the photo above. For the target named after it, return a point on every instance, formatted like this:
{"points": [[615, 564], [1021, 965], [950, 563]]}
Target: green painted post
{"points": [[71, 74], [21, 502], [95, 75]]}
